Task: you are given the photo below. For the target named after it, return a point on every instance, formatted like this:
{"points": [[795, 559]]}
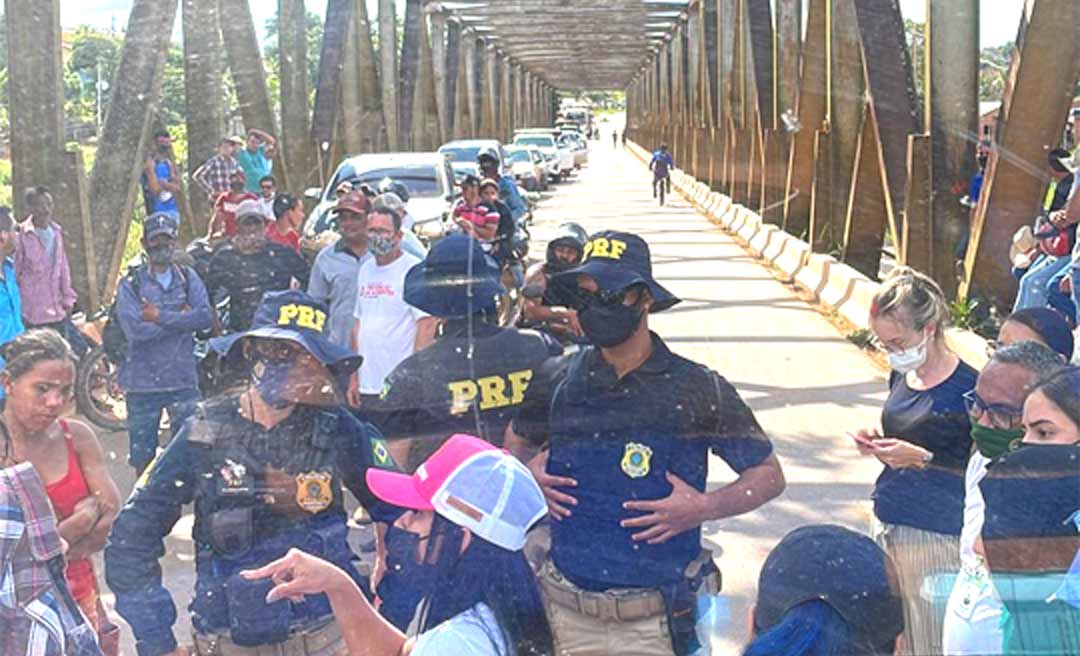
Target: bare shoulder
{"points": [[84, 437]]}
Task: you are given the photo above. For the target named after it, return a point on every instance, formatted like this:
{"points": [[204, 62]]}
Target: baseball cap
{"points": [[160, 223], [236, 140], [249, 208], [845, 569], [283, 203], [472, 484], [355, 202], [295, 316], [617, 260]]}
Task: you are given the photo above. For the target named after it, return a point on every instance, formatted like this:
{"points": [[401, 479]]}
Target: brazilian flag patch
{"points": [[382, 453]]}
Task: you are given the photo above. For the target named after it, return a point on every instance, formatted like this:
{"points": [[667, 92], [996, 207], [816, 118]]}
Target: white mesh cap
{"points": [[493, 495]]}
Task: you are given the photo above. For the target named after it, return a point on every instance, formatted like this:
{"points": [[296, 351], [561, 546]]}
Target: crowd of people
{"points": [[529, 491]]}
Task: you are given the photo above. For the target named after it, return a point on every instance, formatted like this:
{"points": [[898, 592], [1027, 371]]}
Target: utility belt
{"points": [[314, 641], [676, 601]]}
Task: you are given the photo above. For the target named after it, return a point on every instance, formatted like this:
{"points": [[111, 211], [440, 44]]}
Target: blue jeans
{"points": [[144, 417], [1035, 285], [1062, 302]]}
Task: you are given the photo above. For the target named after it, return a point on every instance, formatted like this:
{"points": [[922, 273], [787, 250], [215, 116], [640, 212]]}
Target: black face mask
{"points": [[402, 548], [163, 149], [609, 324]]}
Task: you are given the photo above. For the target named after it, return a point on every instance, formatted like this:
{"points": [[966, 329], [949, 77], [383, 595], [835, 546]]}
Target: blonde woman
{"points": [[924, 443]]}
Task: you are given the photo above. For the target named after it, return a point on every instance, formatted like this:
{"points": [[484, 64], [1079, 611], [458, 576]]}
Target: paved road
{"points": [[805, 382]]}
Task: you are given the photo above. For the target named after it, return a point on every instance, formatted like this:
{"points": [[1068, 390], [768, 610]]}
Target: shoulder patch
{"points": [[381, 454]]}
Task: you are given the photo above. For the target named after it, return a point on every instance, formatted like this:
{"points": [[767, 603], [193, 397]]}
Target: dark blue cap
{"points": [[617, 260], [840, 567], [1050, 326], [456, 279], [297, 317], [160, 223]]}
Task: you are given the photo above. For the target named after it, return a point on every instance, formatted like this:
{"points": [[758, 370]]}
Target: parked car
{"points": [[462, 155], [427, 175], [573, 140], [560, 161], [527, 167]]}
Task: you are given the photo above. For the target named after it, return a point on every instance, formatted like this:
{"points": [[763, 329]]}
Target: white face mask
{"points": [[910, 359]]}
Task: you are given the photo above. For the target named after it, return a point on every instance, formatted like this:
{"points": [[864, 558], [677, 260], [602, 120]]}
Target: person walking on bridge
{"points": [[629, 430]]}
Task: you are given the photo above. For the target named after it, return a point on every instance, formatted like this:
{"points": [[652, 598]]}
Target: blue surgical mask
{"points": [[271, 379]]}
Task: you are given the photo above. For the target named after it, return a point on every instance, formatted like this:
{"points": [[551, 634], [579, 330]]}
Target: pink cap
{"points": [[474, 485], [417, 491]]}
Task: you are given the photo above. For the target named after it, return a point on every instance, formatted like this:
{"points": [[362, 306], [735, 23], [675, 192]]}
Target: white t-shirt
{"points": [[267, 206], [387, 322], [474, 632]]}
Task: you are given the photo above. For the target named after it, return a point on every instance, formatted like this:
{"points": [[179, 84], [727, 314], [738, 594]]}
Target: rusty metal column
{"points": [[693, 73], [490, 125], [388, 74], [246, 65], [427, 134], [1036, 103], [409, 72], [788, 51], [725, 73], [664, 118], [439, 62], [472, 81], [205, 115], [296, 171], [813, 112], [365, 128], [455, 108], [135, 93], [952, 110], [506, 94]]}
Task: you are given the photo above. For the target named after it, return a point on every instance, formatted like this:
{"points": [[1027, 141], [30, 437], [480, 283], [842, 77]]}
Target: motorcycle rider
{"points": [[490, 164], [661, 165], [541, 308]]}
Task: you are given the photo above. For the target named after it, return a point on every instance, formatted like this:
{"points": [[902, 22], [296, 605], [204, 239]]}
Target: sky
{"points": [[998, 18]]}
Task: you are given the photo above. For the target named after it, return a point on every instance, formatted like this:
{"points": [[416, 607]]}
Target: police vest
{"points": [[261, 494]]}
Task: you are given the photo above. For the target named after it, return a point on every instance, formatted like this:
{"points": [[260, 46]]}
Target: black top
{"points": [[936, 419], [245, 277]]}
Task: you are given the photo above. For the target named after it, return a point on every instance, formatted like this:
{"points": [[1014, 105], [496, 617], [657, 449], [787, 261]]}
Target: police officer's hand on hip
{"points": [[625, 438], [265, 470]]}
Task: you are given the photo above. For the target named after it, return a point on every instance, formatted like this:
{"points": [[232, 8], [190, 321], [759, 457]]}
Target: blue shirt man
{"points": [[264, 470], [160, 306], [11, 322], [627, 434]]}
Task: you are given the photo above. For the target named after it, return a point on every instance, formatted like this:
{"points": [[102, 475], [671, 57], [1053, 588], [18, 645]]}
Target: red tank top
{"points": [[65, 494]]}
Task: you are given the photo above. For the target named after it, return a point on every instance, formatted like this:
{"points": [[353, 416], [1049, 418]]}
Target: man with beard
{"points": [[251, 265], [160, 306], [545, 309], [265, 468]]}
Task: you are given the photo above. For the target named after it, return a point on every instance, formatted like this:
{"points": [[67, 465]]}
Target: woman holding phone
{"points": [[924, 444]]}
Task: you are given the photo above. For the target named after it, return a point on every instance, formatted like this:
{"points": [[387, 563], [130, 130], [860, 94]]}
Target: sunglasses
{"points": [[581, 299], [999, 414], [278, 350]]}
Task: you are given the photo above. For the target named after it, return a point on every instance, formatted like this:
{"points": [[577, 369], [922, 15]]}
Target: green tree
{"points": [[994, 70], [915, 35]]}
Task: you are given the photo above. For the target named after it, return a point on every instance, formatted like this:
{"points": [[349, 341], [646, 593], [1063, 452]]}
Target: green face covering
{"points": [[994, 442]]}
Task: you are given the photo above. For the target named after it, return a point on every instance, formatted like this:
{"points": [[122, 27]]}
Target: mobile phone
{"points": [[861, 440]]}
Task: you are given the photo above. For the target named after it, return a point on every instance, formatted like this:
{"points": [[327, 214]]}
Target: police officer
{"points": [[471, 379], [627, 435], [264, 469], [564, 251]]}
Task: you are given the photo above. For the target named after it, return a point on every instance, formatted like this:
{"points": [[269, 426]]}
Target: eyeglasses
{"points": [[582, 298], [278, 350], [999, 414]]}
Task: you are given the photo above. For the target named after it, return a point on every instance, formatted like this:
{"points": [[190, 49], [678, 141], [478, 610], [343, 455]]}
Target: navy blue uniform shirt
{"points": [[619, 438], [458, 385], [936, 419], [191, 471]]}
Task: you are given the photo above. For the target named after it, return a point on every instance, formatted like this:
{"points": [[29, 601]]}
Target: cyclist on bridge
{"points": [[661, 165]]}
